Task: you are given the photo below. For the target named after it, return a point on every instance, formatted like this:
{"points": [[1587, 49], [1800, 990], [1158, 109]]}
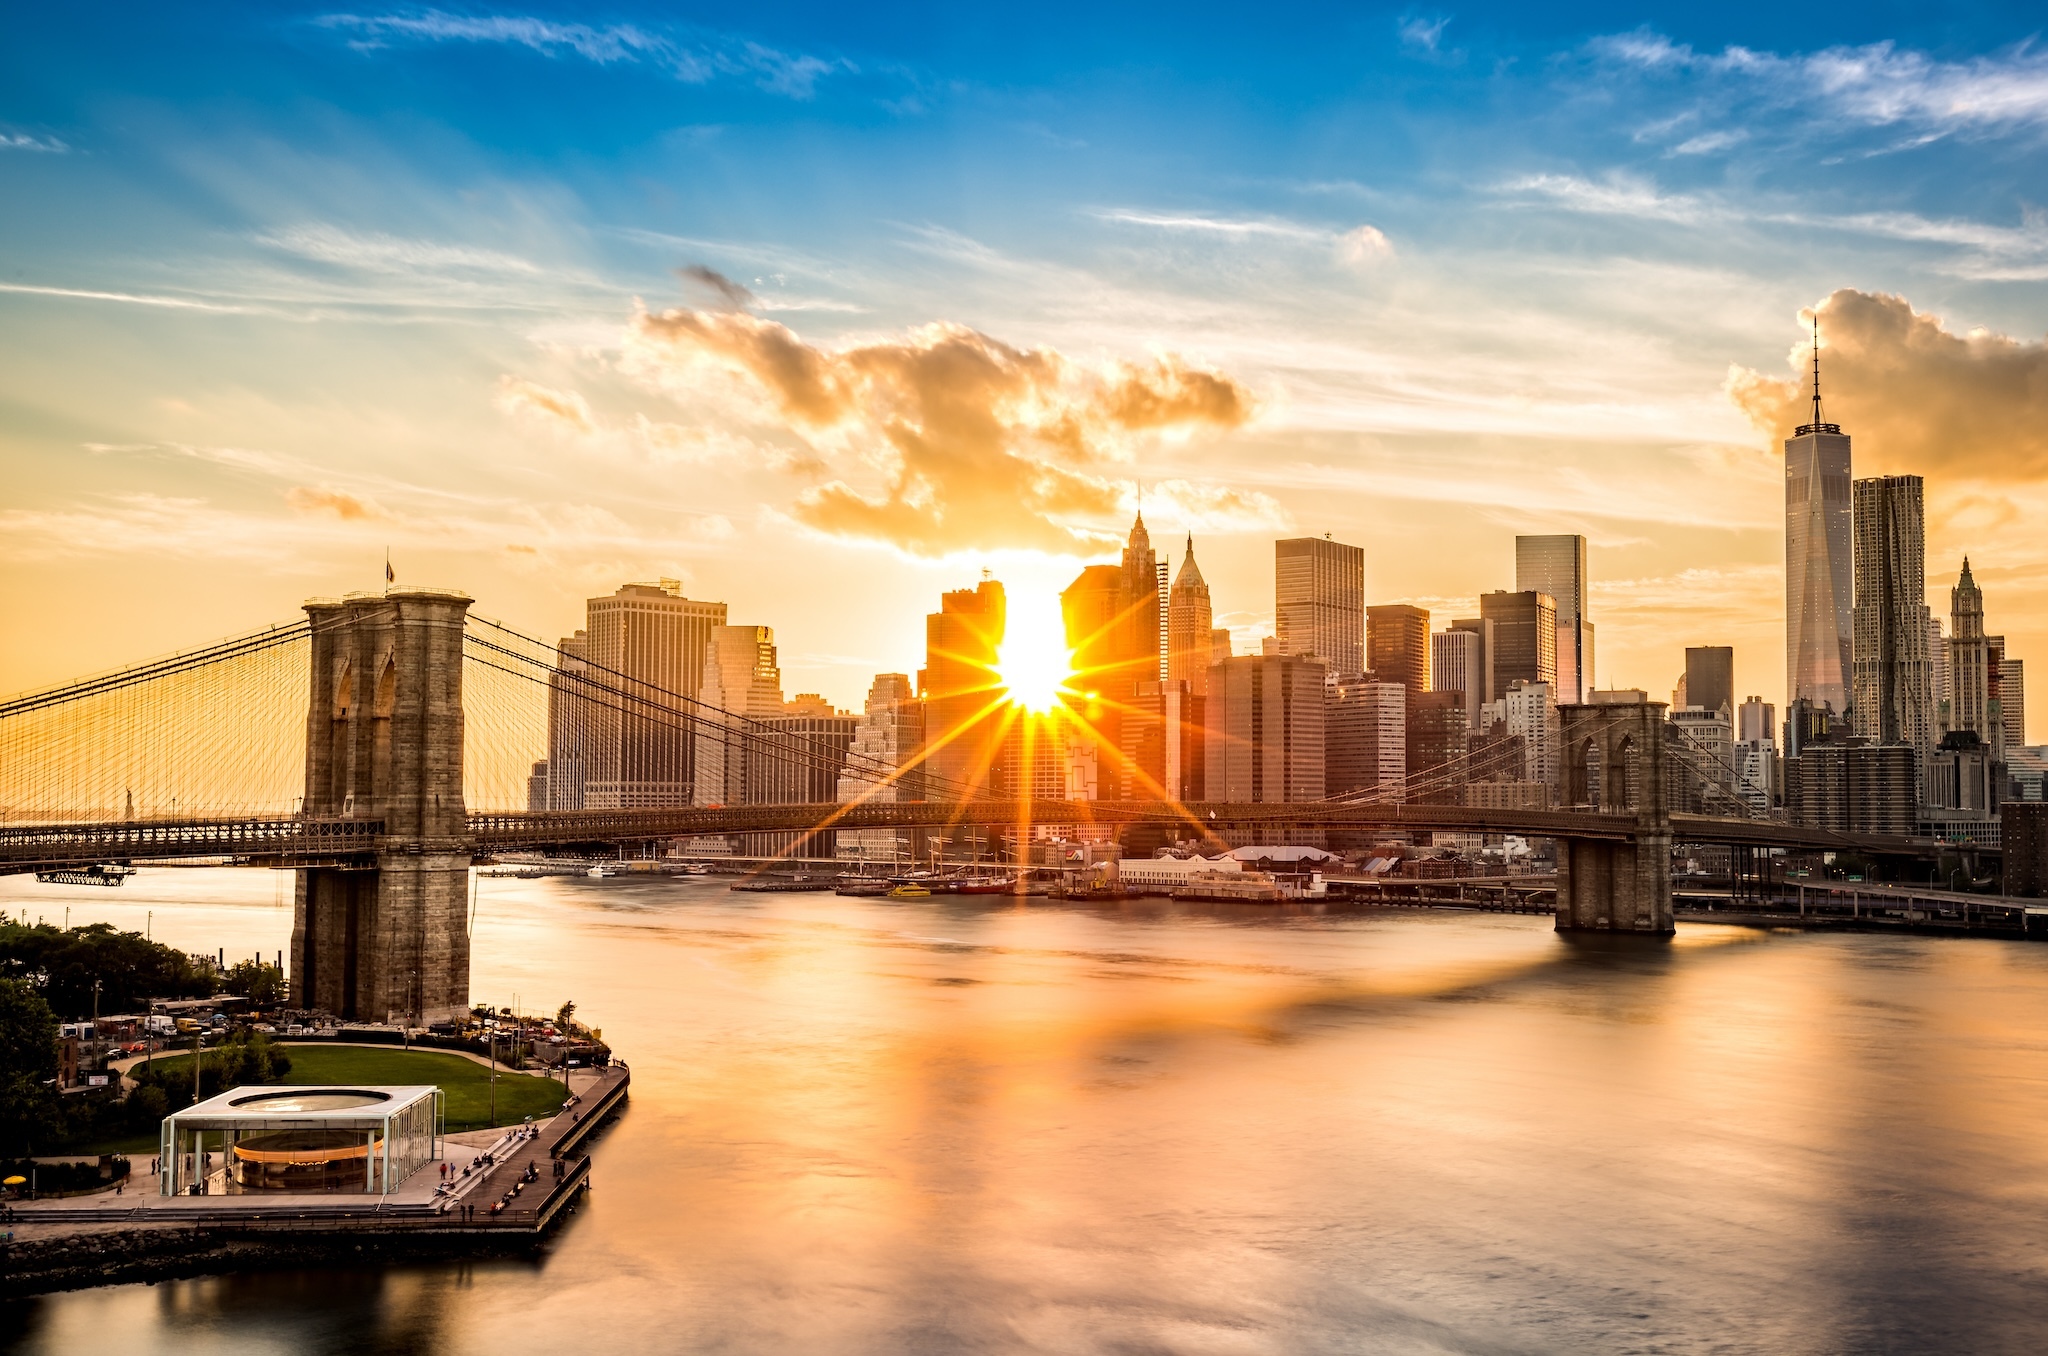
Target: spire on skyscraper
{"points": [[1818, 424], [1190, 575]]}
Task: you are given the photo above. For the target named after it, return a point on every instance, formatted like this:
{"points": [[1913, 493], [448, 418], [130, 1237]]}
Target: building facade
{"points": [[645, 646], [1365, 738], [1190, 626], [1397, 645], [1523, 645], [1319, 601], [1819, 552], [741, 686], [1266, 729], [1437, 736], [1457, 665], [1892, 680], [1556, 565], [959, 684], [1710, 677]]}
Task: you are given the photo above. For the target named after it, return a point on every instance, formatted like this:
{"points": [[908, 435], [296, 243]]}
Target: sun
{"points": [[1033, 661]]}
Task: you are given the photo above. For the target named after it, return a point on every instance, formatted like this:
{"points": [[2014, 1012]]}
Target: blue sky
{"points": [[284, 286]]}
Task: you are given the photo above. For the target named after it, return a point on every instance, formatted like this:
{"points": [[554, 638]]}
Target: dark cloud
{"points": [[729, 295]]}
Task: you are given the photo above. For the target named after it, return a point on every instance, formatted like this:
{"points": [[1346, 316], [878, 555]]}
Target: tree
{"points": [[28, 1069], [567, 1013], [130, 969], [261, 983]]}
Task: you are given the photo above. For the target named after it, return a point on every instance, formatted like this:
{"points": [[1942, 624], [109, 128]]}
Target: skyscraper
{"points": [[881, 763], [742, 686], [1457, 664], [1556, 565], [1710, 677], [1265, 729], [1438, 734], [961, 689], [1190, 626], [648, 641], [1365, 738], [2012, 698], [1112, 615], [570, 713], [1969, 658], [1397, 645], [1891, 678], [1523, 648], [1319, 601], [1818, 565]]}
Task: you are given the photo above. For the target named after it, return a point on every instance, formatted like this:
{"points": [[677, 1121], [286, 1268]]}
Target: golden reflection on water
{"points": [[861, 1126]]}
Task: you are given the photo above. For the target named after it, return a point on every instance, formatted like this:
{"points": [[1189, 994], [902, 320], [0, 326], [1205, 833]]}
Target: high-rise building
{"points": [[1994, 667], [1756, 719], [1703, 776], [1112, 615], [1437, 737], [798, 760], [571, 731], [1365, 738], [1969, 659], [962, 691], [881, 764], [742, 686], [1265, 729], [1457, 664], [1397, 645], [1190, 626], [1891, 697], [1319, 601], [1710, 677], [1161, 743], [646, 642], [1942, 683], [1819, 581], [1530, 710], [1219, 645], [2012, 699], [1482, 630], [1524, 644], [1556, 565]]}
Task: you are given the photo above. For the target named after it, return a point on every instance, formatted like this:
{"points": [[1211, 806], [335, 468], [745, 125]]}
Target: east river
{"points": [[971, 1126]]}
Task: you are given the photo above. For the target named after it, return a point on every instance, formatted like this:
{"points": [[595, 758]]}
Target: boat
{"points": [[986, 885], [86, 875], [854, 885], [597, 872], [909, 890], [784, 884]]}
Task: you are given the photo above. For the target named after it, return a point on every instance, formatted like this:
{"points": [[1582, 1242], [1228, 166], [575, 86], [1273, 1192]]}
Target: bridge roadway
{"points": [[293, 840]]}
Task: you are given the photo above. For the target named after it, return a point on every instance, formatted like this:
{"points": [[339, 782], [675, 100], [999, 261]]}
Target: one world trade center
{"points": [[1819, 581]]}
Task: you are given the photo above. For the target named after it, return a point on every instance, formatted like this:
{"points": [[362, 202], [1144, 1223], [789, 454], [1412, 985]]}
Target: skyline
{"points": [[1442, 280]]}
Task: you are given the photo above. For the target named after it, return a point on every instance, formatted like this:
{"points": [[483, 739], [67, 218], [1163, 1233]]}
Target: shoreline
{"points": [[74, 1245]]}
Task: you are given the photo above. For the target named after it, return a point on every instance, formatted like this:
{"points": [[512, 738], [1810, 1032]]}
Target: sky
{"points": [[823, 311]]}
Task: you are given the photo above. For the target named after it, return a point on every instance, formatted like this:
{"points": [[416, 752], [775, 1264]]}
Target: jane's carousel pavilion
{"points": [[302, 1141]]}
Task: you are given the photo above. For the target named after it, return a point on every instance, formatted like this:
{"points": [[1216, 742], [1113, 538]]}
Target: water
{"points": [[960, 1126]]}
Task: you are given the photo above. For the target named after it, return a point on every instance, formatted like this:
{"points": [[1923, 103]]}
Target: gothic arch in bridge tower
{"points": [[1619, 882]]}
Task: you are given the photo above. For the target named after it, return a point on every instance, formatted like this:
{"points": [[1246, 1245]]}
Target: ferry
{"points": [[910, 890]]}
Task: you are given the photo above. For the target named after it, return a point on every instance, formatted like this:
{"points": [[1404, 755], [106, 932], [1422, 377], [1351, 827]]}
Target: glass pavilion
{"points": [[302, 1141]]}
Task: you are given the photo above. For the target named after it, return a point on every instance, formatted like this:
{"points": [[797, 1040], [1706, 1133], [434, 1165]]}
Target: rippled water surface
{"points": [[954, 1126]]}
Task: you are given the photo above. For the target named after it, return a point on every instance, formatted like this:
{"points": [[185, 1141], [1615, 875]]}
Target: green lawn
{"points": [[465, 1083]]}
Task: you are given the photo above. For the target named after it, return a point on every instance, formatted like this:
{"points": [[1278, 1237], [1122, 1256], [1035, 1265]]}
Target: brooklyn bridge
{"points": [[377, 748]]}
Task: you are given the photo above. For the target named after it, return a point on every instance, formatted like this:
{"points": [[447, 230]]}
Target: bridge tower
{"points": [[384, 743], [1615, 761]]}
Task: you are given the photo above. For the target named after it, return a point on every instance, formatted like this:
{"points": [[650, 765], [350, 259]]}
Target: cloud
{"points": [[130, 298], [1359, 245], [965, 442], [1875, 85], [517, 396], [734, 296], [1914, 395], [381, 253], [1423, 33], [325, 499], [693, 58], [22, 141]]}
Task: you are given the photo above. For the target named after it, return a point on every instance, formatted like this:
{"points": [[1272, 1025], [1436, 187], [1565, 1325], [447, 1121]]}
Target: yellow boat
{"points": [[910, 892]]}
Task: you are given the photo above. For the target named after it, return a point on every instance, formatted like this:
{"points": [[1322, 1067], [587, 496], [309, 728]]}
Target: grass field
{"points": [[465, 1083]]}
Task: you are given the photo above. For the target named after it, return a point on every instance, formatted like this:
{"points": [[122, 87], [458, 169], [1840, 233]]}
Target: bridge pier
{"points": [[384, 734], [1614, 761]]}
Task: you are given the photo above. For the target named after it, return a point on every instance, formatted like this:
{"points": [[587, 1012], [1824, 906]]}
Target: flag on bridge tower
{"points": [[390, 578]]}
